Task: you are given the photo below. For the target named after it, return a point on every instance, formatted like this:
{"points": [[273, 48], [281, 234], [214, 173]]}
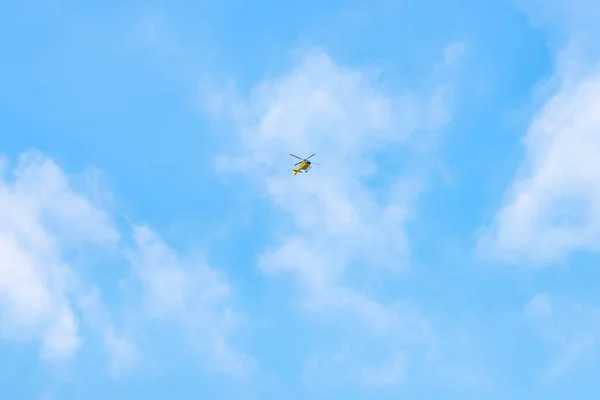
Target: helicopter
{"points": [[303, 165]]}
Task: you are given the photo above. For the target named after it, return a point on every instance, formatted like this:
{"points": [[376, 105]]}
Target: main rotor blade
{"points": [[311, 156], [314, 163], [298, 162], [295, 156]]}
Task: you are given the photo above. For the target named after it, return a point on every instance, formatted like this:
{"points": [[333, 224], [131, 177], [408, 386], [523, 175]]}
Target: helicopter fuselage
{"points": [[302, 167]]}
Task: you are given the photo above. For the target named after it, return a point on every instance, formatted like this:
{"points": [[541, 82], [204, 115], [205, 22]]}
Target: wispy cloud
{"points": [[190, 295], [338, 226], [41, 218], [45, 227], [122, 354], [552, 207]]}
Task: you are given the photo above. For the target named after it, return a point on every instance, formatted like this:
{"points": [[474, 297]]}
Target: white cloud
{"points": [[41, 218], [45, 224], [339, 224], [123, 355], [61, 338], [571, 330], [553, 205], [121, 352], [191, 295], [343, 116]]}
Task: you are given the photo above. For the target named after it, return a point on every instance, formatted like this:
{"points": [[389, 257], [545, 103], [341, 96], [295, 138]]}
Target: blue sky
{"points": [[155, 244]]}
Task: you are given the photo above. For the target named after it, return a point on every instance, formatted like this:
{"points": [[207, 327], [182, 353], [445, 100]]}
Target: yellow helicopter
{"points": [[303, 165]]}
